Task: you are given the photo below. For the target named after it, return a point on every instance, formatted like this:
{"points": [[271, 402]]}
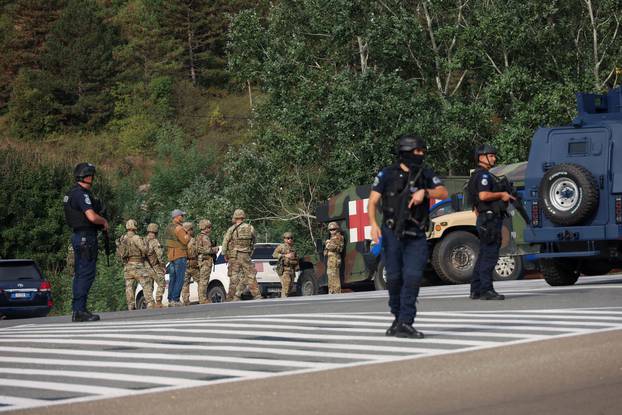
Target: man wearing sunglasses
{"points": [[288, 263]]}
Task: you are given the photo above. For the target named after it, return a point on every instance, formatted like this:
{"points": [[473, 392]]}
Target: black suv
{"points": [[23, 290]]}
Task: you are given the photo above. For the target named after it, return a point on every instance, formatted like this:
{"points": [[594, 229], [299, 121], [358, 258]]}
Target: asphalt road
{"points": [[543, 350]]}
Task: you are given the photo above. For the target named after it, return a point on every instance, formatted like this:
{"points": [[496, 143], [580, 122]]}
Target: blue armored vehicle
{"points": [[573, 191]]}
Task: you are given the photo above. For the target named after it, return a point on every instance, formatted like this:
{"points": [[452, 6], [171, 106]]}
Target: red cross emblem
{"points": [[358, 220]]}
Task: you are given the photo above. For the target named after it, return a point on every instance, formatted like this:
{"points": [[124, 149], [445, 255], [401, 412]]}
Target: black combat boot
{"points": [[406, 330], [393, 329], [79, 316], [491, 295], [474, 295]]}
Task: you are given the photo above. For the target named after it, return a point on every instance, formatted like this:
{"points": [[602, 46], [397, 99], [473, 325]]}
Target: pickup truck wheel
{"points": [[453, 258], [569, 194], [307, 284], [508, 268], [216, 293], [380, 277], [141, 304], [557, 273]]}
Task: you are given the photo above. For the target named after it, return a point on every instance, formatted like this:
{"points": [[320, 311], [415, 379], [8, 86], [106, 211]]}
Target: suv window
{"points": [[19, 270], [263, 251]]}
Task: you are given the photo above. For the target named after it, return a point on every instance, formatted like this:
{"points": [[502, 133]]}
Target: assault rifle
{"points": [[107, 247], [403, 214], [506, 186]]}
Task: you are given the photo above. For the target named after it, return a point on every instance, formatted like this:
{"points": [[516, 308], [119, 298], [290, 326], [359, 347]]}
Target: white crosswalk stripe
{"points": [[69, 363]]}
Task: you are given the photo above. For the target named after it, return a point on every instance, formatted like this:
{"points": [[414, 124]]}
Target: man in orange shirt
{"points": [[177, 239]]}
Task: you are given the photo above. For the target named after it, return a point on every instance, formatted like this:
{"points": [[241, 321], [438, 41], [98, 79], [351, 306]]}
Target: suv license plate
{"points": [[20, 295], [274, 290]]}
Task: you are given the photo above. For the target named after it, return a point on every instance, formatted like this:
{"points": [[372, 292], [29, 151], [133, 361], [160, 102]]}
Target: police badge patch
{"points": [[484, 182], [437, 180], [87, 199]]}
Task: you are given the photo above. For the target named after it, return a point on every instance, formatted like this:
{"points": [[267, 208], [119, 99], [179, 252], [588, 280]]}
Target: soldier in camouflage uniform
{"points": [[154, 264], [134, 266], [206, 251], [238, 245], [192, 271], [288, 263], [332, 252]]}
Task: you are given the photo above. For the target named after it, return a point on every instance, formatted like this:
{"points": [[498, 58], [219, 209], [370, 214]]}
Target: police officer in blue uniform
{"points": [[490, 206], [83, 216], [404, 190]]}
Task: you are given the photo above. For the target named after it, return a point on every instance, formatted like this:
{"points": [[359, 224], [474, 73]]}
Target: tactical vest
{"points": [[242, 238], [171, 238], [152, 255], [135, 254], [75, 218], [497, 206], [418, 215]]}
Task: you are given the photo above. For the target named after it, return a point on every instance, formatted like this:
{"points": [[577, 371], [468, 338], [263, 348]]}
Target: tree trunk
{"points": [[193, 74]]}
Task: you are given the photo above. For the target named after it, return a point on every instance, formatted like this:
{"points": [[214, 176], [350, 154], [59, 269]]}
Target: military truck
{"points": [[573, 191], [454, 244]]}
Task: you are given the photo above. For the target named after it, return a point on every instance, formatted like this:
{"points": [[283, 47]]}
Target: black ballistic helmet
{"points": [[485, 149], [409, 142], [83, 170]]}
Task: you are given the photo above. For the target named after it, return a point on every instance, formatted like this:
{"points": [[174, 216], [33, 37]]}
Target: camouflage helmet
{"points": [[288, 235], [333, 225], [131, 225], [239, 214], [83, 170], [204, 223], [153, 227], [187, 226]]}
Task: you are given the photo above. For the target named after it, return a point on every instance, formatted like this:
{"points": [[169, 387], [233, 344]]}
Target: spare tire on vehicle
{"points": [[568, 194]]}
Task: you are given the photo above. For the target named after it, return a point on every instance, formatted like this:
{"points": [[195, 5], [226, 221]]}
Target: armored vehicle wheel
{"points": [[454, 257], [141, 304], [596, 267], [569, 194], [380, 277], [306, 283], [508, 268], [559, 273]]}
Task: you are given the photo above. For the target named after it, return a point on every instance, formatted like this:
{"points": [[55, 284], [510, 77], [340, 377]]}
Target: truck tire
{"points": [[557, 273], [380, 278], [508, 268], [568, 194], [307, 285], [453, 258], [216, 293]]}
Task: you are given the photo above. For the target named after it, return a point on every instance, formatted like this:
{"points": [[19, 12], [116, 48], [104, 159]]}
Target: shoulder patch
{"points": [[484, 181], [87, 199], [436, 180], [376, 181]]}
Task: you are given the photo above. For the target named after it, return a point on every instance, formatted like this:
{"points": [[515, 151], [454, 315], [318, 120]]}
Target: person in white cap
{"points": [[177, 239]]}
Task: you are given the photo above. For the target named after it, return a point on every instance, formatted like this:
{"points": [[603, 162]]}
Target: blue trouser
{"points": [[486, 259], [85, 250], [404, 261], [176, 275]]}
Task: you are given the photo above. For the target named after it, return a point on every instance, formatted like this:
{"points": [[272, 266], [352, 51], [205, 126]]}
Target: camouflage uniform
{"points": [[71, 260], [238, 245], [287, 266], [332, 252], [192, 269], [206, 251], [134, 267], [155, 264]]}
